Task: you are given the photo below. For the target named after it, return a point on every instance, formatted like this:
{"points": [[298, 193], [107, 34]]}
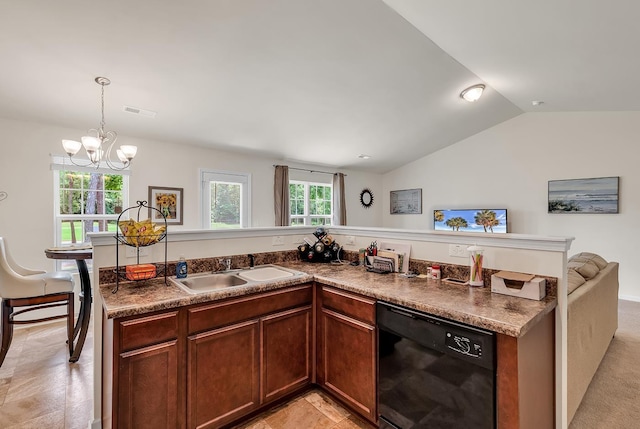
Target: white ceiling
{"points": [[314, 81]]}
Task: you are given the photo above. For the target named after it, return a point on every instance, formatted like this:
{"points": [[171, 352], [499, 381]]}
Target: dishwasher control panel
{"points": [[462, 344]]}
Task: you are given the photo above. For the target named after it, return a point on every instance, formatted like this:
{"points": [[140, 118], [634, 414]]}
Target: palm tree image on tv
{"points": [[455, 223], [471, 220], [487, 219]]}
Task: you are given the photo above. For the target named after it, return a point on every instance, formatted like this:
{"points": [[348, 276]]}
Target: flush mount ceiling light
{"points": [[99, 143], [473, 93], [363, 156]]}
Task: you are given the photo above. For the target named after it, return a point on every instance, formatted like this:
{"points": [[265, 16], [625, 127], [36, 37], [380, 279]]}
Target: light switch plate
{"points": [[458, 250], [350, 240], [277, 240]]}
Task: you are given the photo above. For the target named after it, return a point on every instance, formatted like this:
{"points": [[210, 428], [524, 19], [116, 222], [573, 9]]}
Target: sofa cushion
{"points": [[596, 259], [574, 280], [586, 268]]}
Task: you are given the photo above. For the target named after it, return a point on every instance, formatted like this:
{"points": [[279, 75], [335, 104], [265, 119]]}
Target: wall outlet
{"points": [[458, 250], [350, 240], [132, 252], [278, 240]]}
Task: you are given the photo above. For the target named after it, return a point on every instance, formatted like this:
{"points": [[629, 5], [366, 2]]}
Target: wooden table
{"points": [[82, 324]]}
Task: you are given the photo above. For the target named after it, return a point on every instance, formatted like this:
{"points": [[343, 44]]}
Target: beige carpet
{"points": [[613, 398]]}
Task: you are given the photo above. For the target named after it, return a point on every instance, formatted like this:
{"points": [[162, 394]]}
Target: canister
{"points": [[476, 260]]}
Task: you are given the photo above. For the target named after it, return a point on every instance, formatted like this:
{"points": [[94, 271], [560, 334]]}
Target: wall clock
{"points": [[366, 198]]}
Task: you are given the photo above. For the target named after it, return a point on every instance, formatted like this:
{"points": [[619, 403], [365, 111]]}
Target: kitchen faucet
{"points": [[226, 263]]}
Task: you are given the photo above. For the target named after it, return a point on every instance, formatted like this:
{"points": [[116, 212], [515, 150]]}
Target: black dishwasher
{"points": [[433, 373]]}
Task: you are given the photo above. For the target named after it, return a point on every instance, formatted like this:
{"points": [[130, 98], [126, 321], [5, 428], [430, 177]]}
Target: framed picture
{"points": [[168, 201], [408, 201], [597, 195]]}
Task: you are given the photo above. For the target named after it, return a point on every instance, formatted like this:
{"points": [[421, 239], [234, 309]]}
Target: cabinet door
{"points": [[222, 375], [148, 387], [286, 352], [348, 361]]}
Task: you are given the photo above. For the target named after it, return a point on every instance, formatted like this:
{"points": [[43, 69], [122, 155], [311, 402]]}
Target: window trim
{"points": [[244, 179]]}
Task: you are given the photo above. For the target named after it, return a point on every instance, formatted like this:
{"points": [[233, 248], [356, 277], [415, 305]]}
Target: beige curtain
{"points": [[281, 195], [339, 205]]}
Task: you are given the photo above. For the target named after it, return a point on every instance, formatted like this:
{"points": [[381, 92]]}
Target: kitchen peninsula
{"points": [[524, 328]]}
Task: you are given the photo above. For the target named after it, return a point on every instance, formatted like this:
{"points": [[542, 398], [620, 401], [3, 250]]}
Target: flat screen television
{"points": [[471, 220]]}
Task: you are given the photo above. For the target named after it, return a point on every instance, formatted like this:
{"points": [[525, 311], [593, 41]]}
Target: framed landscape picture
{"points": [[168, 201], [407, 201], [596, 195]]}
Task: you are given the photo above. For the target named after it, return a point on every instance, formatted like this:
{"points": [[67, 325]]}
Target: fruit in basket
{"points": [[141, 233], [129, 231]]}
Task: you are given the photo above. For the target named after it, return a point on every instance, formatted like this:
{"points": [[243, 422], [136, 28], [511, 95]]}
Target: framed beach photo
{"points": [[595, 195], [168, 201], [407, 201]]}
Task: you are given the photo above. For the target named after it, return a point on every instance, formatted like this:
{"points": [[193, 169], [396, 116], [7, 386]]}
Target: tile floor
{"points": [[312, 410], [39, 388]]}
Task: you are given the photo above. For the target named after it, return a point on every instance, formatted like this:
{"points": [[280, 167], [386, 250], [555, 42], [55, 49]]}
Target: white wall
{"points": [[509, 166], [26, 216]]}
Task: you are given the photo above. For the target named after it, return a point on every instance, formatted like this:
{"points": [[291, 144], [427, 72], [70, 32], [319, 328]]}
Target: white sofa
{"points": [[592, 320]]}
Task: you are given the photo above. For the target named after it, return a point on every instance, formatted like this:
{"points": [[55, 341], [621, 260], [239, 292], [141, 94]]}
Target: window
{"points": [[225, 199], [86, 200], [310, 203]]}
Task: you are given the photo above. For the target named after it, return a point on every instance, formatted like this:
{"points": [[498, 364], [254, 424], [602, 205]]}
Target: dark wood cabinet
{"points": [[286, 352], [143, 365], [208, 365], [246, 352], [148, 387], [346, 360], [222, 374]]}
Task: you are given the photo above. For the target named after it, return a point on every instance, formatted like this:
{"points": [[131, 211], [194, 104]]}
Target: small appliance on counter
{"points": [[324, 249]]}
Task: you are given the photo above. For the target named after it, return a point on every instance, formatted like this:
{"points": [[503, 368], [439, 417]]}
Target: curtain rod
{"points": [[310, 171]]}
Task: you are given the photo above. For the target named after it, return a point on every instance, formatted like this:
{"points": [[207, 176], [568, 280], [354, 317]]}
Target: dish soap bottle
{"points": [[181, 268]]}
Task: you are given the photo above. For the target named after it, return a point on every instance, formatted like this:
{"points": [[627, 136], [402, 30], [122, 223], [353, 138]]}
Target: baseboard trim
{"points": [[629, 298]]}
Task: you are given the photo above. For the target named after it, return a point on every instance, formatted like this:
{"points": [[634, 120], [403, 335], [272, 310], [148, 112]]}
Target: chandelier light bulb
{"points": [[129, 151], [95, 156], [71, 146], [90, 143], [121, 156]]}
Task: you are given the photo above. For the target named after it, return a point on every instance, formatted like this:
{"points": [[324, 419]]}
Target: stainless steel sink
{"points": [[211, 282], [266, 274], [223, 280]]}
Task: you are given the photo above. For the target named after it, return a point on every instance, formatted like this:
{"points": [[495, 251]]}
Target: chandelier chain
{"points": [[102, 121]]}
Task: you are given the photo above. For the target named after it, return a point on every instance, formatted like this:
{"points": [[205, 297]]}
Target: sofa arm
{"points": [[592, 320]]}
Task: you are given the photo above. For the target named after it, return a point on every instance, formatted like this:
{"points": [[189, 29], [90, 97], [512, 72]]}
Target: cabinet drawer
{"points": [[145, 331], [356, 306], [250, 307]]}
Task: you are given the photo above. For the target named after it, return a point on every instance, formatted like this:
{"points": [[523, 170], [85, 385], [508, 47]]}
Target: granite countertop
{"points": [[474, 306]]}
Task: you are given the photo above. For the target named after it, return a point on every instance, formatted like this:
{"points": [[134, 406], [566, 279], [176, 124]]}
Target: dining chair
{"points": [[35, 290]]}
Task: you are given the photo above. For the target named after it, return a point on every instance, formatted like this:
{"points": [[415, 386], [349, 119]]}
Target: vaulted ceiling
{"points": [[314, 81]]}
